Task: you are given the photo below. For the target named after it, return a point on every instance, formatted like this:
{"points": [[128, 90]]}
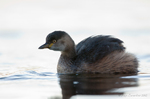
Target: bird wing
{"points": [[95, 48]]}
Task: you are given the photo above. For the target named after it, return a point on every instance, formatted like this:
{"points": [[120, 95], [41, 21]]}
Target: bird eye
{"points": [[54, 41]]}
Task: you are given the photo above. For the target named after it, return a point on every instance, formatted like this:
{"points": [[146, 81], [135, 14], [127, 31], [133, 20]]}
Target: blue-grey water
{"points": [[29, 73]]}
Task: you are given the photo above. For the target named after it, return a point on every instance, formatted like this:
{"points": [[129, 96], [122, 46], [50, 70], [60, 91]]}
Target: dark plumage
{"points": [[95, 54], [94, 48]]}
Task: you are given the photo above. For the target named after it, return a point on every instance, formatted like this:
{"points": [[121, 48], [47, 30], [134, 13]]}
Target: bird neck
{"points": [[69, 52], [69, 49]]}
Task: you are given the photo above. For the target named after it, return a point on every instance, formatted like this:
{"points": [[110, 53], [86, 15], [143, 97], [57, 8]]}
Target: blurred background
{"points": [[24, 24]]}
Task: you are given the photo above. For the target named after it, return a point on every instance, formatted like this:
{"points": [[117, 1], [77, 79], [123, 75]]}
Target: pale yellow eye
{"points": [[54, 41]]}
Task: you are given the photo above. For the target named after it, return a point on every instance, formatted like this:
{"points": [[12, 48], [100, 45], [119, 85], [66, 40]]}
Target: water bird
{"points": [[95, 54]]}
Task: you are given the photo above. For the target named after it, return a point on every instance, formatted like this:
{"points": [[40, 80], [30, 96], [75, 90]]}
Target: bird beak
{"points": [[45, 46]]}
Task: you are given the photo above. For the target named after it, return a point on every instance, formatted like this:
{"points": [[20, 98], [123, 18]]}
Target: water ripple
{"points": [[30, 75]]}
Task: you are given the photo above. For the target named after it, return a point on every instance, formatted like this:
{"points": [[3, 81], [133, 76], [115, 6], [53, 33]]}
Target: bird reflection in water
{"points": [[94, 84]]}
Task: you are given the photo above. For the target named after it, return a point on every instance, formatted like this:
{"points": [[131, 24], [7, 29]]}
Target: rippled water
{"points": [[47, 85]]}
